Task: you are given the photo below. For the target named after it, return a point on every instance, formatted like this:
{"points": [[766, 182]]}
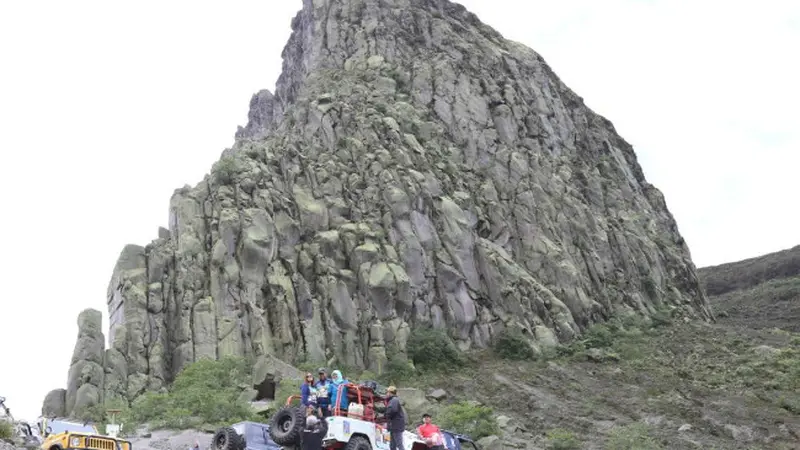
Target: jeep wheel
{"points": [[358, 443], [227, 438], [287, 426]]}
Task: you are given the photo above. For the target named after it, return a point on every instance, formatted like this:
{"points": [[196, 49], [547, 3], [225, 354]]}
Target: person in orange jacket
{"points": [[430, 433]]}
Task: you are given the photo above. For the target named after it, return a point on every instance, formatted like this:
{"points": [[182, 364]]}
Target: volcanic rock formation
{"points": [[412, 168]]}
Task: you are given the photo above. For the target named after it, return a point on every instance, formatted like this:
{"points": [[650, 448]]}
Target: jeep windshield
{"points": [[60, 426]]}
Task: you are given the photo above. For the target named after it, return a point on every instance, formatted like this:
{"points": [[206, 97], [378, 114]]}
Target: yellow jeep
{"points": [[60, 434]]}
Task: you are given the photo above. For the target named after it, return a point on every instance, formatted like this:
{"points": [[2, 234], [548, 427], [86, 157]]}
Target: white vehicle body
{"points": [[342, 429]]}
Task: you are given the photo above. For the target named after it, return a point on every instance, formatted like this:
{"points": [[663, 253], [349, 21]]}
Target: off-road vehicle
{"points": [[61, 434], [244, 436], [361, 427]]}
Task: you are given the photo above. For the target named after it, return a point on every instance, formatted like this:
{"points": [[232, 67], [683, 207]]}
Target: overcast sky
{"points": [[105, 109]]}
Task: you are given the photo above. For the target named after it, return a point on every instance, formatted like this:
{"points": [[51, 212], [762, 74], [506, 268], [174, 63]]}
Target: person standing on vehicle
{"points": [[397, 419], [308, 393], [333, 391], [430, 433], [323, 400]]}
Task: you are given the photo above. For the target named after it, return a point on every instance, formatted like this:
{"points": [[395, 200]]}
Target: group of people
{"points": [[321, 397]]}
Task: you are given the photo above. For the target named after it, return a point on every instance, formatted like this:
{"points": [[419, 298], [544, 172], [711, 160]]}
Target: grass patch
{"points": [[472, 419], [561, 439], [6, 430], [635, 436]]}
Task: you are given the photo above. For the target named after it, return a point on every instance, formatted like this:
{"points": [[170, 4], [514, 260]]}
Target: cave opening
{"points": [[265, 390]]}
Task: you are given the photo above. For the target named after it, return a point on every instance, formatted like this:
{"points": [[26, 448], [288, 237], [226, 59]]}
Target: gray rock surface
{"points": [[172, 440], [412, 168], [86, 373], [55, 403], [8, 446]]}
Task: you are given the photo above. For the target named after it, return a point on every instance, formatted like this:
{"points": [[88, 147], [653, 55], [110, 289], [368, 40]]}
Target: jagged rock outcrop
{"points": [[55, 403], [86, 372], [412, 168]]}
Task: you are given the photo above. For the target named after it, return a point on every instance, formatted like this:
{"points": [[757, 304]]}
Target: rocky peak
{"points": [[412, 169], [333, 34]]}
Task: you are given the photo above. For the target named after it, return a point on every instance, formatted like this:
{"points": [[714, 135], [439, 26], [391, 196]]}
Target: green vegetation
{"points": [[227, 169], [6, 430], [398, 371], [561, 439], [284, 390], [204, 393], [619, 336], [631, 368], [432, 350], [474, 420], [774, 303], [619, 372], [635, 436], [716, 362], [98, 416], [511, 344]]}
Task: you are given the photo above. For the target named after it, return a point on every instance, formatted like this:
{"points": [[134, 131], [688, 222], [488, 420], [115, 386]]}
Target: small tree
{"points": [[227, 169], [511, 344], [432, 349], [476, 421]]}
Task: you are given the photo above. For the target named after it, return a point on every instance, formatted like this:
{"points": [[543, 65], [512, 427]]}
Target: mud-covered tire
{"points": [[286, 426], [358, 443], [226, 438]]}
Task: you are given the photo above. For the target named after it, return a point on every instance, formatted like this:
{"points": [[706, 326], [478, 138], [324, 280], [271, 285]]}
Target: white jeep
{"points": [[360, 427], [350, 433]]}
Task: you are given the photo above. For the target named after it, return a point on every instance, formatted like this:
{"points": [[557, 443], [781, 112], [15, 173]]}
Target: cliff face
{"points": [[413, 167]]}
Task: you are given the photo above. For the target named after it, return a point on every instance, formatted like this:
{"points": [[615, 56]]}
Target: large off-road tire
{"points": [[226, 438], [286, 427], [358, 443]]}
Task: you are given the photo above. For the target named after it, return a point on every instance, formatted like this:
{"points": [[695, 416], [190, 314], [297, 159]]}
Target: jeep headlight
{"points": [[75, 442]]}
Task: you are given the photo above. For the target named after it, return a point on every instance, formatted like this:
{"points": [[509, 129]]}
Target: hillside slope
{"points": [[759, 292], [413, 168], [627, 385]]}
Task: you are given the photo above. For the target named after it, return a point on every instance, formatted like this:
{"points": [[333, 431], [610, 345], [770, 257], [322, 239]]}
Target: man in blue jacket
{"points": [[397, 419], [323, 400]]}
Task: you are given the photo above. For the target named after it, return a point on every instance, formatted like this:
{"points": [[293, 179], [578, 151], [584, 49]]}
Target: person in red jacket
{"points": [[430, 433]]}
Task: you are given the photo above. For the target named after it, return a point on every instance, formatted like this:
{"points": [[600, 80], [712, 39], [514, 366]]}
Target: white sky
{"points": [[107, 107]]}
